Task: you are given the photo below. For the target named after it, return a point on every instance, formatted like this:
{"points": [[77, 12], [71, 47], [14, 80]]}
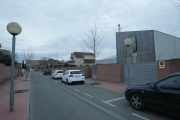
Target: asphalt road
{"points": [[54, 100]]}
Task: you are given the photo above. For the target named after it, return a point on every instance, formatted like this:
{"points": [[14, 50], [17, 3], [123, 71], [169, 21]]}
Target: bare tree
{"points": [[29, 54], [43, 62], [177, 5], [92, 43], [55, 56]]}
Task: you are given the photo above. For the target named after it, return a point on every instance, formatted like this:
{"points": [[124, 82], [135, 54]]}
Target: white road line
{"points": [[115, 99], [108, 103], [140, 116], [68, 87]]}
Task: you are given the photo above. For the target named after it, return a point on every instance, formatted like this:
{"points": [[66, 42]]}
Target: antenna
{"points": [[120, 28]]}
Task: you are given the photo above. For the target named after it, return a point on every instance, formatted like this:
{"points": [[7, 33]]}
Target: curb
{"points": [[27, 110]]}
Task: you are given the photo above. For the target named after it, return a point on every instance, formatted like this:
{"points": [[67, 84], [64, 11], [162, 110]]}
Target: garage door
{"points": [[140, 72]]}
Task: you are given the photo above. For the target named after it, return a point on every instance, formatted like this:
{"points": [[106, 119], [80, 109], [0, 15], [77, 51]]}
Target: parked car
{"points": [[71, 76], [162, 95], [57, 74], [47, 72]]}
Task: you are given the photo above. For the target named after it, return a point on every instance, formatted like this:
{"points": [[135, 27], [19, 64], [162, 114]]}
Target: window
{"points": [[172, 83], [76, 72]]}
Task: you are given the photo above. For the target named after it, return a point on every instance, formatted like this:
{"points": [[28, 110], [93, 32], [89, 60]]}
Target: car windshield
{"points": [[76, 72], [59, 71]]}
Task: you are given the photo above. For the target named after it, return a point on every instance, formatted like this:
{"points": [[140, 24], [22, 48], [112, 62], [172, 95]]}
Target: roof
{"points": [[88, 61], [81, 54], [111, 57]]}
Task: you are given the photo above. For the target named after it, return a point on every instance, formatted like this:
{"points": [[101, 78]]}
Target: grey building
{"points": [[108, 60], [147, 46]]}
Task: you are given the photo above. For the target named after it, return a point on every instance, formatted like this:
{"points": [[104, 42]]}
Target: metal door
{"points": [[140, 72]]}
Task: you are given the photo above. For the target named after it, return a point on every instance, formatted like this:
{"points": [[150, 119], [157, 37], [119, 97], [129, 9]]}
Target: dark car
{"points": [[162, 95], [47, 72]]}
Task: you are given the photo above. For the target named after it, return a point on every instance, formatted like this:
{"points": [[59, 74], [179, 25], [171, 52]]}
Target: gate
{"points": [[140, 72]]}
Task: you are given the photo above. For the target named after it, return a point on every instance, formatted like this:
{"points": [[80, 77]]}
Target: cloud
{"points": [[59, 25]]}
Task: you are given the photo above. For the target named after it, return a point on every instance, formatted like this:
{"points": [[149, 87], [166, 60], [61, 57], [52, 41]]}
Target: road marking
{"points": [[108, 103], [88, 95], [76, 90], [115, 99], [68, 87], [140, 116], [108, 89]]}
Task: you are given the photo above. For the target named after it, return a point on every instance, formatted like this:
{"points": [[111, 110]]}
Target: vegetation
{"points": [[6, 59]]}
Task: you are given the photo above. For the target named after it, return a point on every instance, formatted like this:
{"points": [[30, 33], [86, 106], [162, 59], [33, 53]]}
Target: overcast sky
{"points": [[59, 25]]}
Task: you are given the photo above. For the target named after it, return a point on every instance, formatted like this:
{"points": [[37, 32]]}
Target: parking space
{"points": [[111, 99]]}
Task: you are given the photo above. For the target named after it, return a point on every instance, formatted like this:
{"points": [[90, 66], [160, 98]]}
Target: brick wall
{"points": [[108, 72], [5, 73], [171, 66], [84, 69]]}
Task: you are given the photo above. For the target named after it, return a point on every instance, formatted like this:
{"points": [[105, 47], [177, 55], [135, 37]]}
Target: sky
{"points": [[50, 26]]}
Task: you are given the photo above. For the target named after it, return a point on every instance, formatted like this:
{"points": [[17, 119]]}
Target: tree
{"points": [[43, 62], [6, 59], [29, 54], [23, 64], [92, 43], [177, 5]]}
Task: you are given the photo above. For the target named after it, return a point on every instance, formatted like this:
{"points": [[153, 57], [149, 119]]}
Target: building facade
{"points": [[81, 59], [147, 46]]}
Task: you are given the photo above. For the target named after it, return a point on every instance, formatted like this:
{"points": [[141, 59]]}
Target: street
{"points": [[54, 100]]}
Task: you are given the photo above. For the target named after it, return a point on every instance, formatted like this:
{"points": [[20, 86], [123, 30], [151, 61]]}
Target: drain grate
{"points": [[20, 91]]}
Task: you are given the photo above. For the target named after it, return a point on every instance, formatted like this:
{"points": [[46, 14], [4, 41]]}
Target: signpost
{"points": [[161, 64]]}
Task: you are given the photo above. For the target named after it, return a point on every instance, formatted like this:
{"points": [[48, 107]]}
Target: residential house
{"points": [[81, 59]]}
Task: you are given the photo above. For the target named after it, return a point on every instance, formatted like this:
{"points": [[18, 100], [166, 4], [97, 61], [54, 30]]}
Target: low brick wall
{"points": [[84, 69], [171, 66], [108, 72], [5, 73]]}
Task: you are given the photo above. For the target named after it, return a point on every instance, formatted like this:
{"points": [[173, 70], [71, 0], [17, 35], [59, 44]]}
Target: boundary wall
{"points": [[5, 73]]}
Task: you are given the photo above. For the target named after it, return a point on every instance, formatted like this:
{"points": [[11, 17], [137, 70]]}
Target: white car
{"points": [[71, 76], [57, 74]]}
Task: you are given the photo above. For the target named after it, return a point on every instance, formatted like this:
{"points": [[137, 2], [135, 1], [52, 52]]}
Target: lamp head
{"points": [[14, 28], [127, 41]]}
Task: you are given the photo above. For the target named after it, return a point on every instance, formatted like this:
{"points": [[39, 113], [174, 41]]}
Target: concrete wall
{"points": [[171, 66], [141, 50], [5, 73], [108, 72], [166, 46], [84, 69]]}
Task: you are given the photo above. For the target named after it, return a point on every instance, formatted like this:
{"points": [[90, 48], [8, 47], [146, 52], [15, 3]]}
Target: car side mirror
{"points": [[63, 73], [153, 87]]}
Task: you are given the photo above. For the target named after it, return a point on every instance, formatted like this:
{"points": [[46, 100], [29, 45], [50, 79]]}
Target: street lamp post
{"points": [[14, 29], [26, 67], [128, 42]]}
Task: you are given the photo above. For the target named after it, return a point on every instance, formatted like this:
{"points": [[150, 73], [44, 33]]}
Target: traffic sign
{"points": [[161, 64]]}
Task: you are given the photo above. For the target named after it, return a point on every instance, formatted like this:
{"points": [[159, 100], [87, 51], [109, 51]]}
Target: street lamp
{"points": [[14, 29], [128, 42], [26, 66]]}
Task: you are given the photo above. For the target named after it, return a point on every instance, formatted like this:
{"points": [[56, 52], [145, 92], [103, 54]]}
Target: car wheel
{"points": [[67, 82], [82, 82], [54, 78], [137, 102]]}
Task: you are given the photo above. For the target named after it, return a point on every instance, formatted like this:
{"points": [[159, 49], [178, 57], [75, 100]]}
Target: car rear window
{"points": [[59, 71], [75, 72]]}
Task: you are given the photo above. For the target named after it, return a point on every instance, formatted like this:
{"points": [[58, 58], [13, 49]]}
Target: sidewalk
{"points": [[20, 99], [119, 87]]}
